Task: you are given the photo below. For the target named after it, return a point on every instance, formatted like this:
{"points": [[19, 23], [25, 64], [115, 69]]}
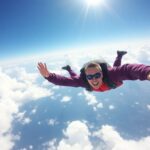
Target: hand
{"points": [[148, 76], [43, 69]]}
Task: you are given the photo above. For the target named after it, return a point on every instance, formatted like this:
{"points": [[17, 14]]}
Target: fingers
{"points": [[45, 65], [39, 68], [42, 65]]}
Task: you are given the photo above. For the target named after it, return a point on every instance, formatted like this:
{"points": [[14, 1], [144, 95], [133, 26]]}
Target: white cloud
{"points": [[80, 94], [111, 107], [52, 122], [21, 89], [113, 141], [66, 99], [77, 137], [91, 99], [121, 94], [51, 145], [55, 87], [100, 105], [23, 148], [26, 121], [30, 146], [148, 106], [6, 114], [34, 111], [94, 108], [22, 75], [20, 116], [22, 119], [144, 52], [137, 103], [39, 122], [13, 93], [6, 142]]}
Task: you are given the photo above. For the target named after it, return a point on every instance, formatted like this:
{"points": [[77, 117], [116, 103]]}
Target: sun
{"points": [[94, 2]]}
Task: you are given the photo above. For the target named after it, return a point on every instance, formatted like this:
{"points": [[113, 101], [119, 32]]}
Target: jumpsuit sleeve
{"points": [[65, 81], [129, 72]]}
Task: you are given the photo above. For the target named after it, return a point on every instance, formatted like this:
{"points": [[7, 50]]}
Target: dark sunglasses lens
{"points": [[89, 77], [97, 75]]}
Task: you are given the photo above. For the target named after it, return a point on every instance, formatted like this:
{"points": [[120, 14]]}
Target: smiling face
{"points": [[94, 76]]}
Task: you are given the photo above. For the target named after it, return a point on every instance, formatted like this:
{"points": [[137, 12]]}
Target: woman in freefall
{"points": [[98, 75]]}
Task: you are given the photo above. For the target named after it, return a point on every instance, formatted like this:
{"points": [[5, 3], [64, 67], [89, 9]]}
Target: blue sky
{"points": [[34, 26]]}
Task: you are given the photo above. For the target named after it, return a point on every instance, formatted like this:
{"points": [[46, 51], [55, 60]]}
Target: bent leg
{"points": [[71, 72], [118, 59]]}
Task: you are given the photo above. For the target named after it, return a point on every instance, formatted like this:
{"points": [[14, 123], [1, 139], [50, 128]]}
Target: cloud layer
{"points": [[77, 137], [16, 90], [19, 86]]}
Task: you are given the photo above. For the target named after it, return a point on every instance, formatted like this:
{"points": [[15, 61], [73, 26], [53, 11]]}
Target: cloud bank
{"points": [[77, 136], [19, 86]]}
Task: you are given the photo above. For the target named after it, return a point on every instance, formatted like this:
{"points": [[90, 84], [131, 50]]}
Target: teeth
{"points": [[95, 83]]}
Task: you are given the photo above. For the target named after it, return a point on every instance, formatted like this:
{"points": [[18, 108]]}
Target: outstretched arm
{"points": [[58, 79], [130, 72]]}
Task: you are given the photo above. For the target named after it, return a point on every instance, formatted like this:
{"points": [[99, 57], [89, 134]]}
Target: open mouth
{"points": [[95, 84]]}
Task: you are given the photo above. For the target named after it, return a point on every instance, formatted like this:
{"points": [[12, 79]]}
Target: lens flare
{"points": [[94, 2]]}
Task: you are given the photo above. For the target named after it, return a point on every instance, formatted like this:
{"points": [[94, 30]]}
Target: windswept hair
{"points": [[92, 64]]}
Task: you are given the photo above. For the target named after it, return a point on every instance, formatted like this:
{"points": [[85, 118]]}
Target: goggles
{"points": [[91, 76]]}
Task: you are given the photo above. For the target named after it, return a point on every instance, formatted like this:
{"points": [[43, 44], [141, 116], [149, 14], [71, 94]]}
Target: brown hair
{"points": [[92, 64]]}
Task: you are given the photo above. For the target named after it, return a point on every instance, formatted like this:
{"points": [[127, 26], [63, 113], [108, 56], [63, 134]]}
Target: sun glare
{"points": [[93, 2]]}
